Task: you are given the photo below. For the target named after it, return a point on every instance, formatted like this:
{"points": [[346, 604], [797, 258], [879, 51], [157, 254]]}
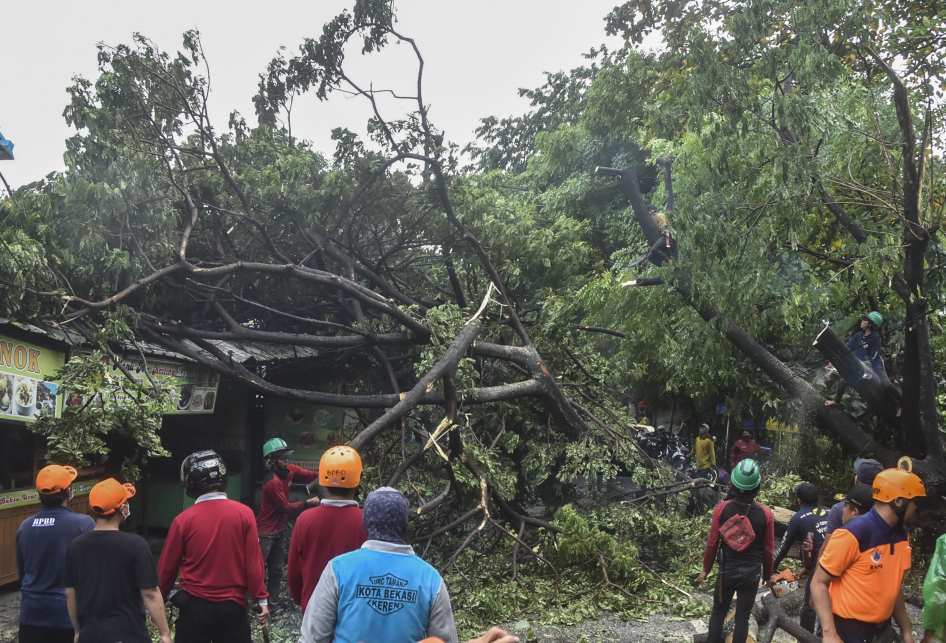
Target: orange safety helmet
{"points": [[891, 484], [340, 467]]}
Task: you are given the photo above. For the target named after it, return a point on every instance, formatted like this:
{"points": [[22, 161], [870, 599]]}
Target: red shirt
{"points": [[321, 534], [275, 509], [216, 547], [742, 450]]}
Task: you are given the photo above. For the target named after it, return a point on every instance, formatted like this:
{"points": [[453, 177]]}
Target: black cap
{"points": [[807, 492], [867, 470], [861, 497]]}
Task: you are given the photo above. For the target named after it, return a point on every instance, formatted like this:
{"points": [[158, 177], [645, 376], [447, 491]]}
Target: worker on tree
{"points": [[744, 448], [215, 546], [866, 344], [41, 543], [665, 248], [705, 449], [275, 511], [865, 470], [331, 529], [383, 591], [934, 596], [109, 573], [743, 535], [856, 587], [808, 526]]}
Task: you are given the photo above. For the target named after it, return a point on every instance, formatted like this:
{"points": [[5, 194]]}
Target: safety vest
{"points": [[383, 597]]}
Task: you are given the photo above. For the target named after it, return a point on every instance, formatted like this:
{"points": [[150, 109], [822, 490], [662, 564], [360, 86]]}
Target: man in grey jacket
{"points": [[383, 591]]}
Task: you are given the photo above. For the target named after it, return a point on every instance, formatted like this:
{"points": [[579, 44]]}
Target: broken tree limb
{"points": [[859, 375], [643, 282]]}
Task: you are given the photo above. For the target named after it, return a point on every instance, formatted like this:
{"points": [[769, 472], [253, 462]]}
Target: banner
{"points": [[31, 496], [194, 389], [24, 392], [775, 425], [309, 429]]}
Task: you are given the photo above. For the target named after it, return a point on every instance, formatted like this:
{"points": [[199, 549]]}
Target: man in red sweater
{"points": [[275, 511], [742, 449], [215, 546], [330, 530]]}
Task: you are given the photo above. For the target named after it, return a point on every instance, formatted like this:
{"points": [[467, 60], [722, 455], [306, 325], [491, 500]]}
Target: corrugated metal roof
{"points": [[240, 351]]}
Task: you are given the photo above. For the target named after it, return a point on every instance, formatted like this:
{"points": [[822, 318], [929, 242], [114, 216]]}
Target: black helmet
{"points": [[202, 472]]}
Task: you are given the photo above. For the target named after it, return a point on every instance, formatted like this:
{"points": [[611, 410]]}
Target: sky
{"points": [[477, 55]]}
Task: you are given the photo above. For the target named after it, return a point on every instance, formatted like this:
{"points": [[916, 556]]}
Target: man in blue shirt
{"points": [[41, 543], [811, 518], [865, 471]]}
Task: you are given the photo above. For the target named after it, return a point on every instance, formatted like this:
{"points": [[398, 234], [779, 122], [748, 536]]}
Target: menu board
{"points": [[308, 429], [193, 389], [25, 393], [31, 496]]}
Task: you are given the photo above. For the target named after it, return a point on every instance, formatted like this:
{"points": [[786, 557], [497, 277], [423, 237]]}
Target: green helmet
{"points": [[274, 445], [746, 475], [875, 319]]}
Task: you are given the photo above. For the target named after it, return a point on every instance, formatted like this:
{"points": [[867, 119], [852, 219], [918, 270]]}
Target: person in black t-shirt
{"points": [[110, 576]]}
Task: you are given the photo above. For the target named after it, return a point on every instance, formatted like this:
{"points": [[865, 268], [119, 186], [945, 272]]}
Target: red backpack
{"points": [[737, 532]]}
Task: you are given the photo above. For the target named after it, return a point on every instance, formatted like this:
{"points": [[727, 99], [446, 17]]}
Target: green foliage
{"points": [[125, 409]]}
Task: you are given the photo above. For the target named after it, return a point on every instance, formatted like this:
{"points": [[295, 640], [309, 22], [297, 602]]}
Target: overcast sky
{"points": [[477, 54]]}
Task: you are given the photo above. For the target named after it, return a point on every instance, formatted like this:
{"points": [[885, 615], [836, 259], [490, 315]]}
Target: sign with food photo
{"points": [[308, 429], [193, 389], [25, 393]]}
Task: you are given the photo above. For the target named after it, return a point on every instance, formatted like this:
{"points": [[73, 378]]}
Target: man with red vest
{"points": [[215, 546], [275, 511], [331, 529]]}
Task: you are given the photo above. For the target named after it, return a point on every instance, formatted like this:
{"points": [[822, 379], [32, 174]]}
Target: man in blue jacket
{"points": [[381, 592], [866, 345], [811, 518], [41, 543]]}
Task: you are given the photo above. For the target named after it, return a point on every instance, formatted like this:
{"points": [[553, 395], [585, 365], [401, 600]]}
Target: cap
{"points": [[109, 495], [54, 478], [806, 492], [861, 497], [867, 470]]}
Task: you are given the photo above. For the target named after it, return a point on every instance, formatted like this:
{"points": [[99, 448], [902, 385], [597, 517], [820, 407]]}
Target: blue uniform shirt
{"points": [[811, 518], [41, 543]]}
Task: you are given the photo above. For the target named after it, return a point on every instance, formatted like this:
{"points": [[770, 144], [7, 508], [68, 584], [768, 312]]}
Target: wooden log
{"points": [[859, 375]]}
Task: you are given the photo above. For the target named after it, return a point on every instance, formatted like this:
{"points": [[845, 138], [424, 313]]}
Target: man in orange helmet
{"points": [[329, 530], [857, 585]]}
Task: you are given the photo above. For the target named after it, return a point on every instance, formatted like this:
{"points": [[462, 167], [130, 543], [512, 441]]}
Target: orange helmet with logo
{"points": [[891, 484], [340, 467]]}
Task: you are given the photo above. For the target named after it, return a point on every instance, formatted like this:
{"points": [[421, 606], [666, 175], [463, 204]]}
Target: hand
{"points": [[831, 638], [263, 617], [495, 635], [803, 573], [166, 638], [907, 636], [76, 638], [929, 636], [699, 580], [313, 502]]}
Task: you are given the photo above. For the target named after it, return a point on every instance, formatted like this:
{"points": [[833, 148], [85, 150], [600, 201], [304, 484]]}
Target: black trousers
{"points": [[202, 621], [807, 617], [743, 582], [42, 634], [274, 555]]}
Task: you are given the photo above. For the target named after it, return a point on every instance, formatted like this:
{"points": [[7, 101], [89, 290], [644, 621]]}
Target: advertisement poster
{"points": [[194, 389], [309, 429], [25, 393], [31, 496]]}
